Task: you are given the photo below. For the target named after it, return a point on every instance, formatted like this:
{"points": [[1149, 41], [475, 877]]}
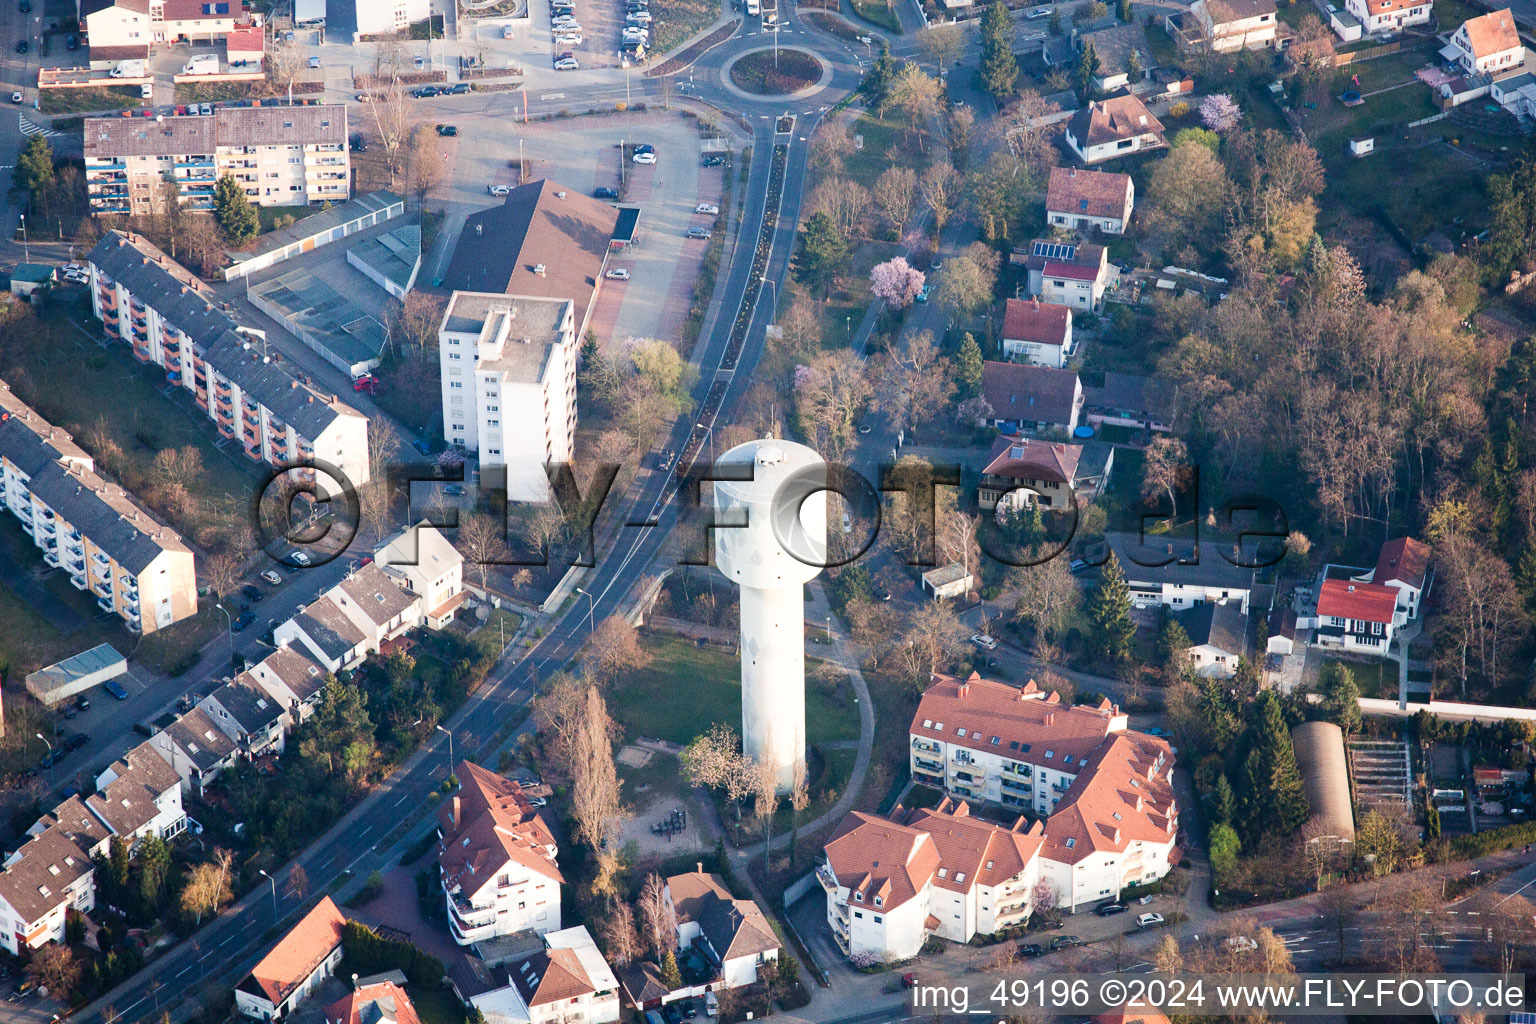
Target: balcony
{"points": [[923, 764], [52, 558], [1014, 785], [827, 879], [926, 745], [104, 602], [79, 582], [102, 587], [961, 757]]}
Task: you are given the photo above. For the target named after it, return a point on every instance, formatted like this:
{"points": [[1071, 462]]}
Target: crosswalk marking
{"points": [[28, 128]]}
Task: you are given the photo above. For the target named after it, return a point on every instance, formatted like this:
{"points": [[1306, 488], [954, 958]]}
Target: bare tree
{"points": [[957, 540], [938, 188], [1164, 469], [656, 915], [55, 968], [621, 942], [178, 465], [615, 647], [935, 637], [428, 169], [284, 64], [207, 887], [765, 795], [1047, 594], [298, 883], [828, 396], [222, 573], [715, 760], [915, 385], [383, 444], [842, 199], [391, 110], [481, 539], [896, 196]]}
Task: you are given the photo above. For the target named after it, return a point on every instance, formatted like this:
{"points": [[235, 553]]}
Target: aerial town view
{"points": [[852, 511]]}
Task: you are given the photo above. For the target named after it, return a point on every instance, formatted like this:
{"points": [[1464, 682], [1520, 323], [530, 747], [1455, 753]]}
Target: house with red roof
{"points": [[1487, 44], [496, 857], [1022, 472], [1388, 15], [295, 967], [566, 981], [1037, 333], [1404, 566], [381, 999], [1356, 616], [1072, 274], [1078, 199]]}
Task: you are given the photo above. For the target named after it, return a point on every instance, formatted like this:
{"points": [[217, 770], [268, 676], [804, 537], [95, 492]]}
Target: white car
{"points": [[645, 158], [272, 577], [569, 39], [500, 190], [77, 276], [205, 109], [564, 21], [1149, 920], [300, 558], [1039, 12], [985, 642], [707, 208], [567, 64], [617, 274], [639, 17], [636, 35], [17, 97]]}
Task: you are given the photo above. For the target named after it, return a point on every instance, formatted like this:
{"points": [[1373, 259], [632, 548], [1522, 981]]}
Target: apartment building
{"points": [[734, 935], [384, 17], [282, 156], [509, 384], [115, 24], [496, 859], [160, 309], [566, 982], [891, 882], [428, 566], [135, 567]]}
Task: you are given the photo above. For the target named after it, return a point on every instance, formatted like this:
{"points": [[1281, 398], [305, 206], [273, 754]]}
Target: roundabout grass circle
{"points": [[758, 74]]}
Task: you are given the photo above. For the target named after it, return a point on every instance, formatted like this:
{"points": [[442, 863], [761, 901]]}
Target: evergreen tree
{"points": [[1123, 10], [1276, 803], [154, 863], [1341, 696], [233, 212], [1525, 577], [1223, 805], [34, 167], [1087, 67], [876, 86], [1054, 25], [117, 859], [1173, 640], [671, 977], [1225, 847], [1109, 611], [968, 367], [999, 68], [823, 252]]}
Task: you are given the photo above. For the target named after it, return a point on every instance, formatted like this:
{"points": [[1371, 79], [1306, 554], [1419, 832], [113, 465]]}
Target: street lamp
{"points": [[229, 625], [269, 878], [50, 759], [591, 610], [775, 287], [450, 747]]}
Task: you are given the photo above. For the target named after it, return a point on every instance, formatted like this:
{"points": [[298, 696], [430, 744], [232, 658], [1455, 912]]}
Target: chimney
{"points": [[479, 230], [1050, 718], [699, 866], [455, 811], [964, 689]]}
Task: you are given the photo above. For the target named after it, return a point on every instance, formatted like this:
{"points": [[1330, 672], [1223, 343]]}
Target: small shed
{"points": [[1345, 24], [30, 278], [1319, 749], [1282, 632], [948, 581], [57, 683], [1361, 146], [626, 230]]}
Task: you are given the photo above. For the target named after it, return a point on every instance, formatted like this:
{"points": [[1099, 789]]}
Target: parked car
{"points": [[82, 703], [22, 46], [537, 801], [645, 158], [566, 64], [458, 89], [909, 980], [301, 558], [1112, 907], [419, 61], [699, 233], [71, 42], [499, 190], [253, 593], [618, 274], [241, 621], [205, 109], [1241, 944], [358, 143], [70, 711], [365, 382], [983, 641], [605, 193], [709, 208], [1031, 949], [363, 97], [426, 92], [924, 292], [1149, 920], [17, 97], [1064, 941], [314, 63], [569, 39], [115, 688], [447, 130], [714, 161], [76, 741], [1037, 13]]}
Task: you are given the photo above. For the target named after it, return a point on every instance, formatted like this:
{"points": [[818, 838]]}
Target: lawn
{"points": [[81, 101], [222, 92], [436, 1006], [274, 217], [78, 386], [686, 689], [1374, 678], [887, 143], [677, 20], [877, 12]]}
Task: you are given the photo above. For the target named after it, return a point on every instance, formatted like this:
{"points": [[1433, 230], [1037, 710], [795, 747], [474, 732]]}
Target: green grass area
{"points": [[775, 73], [1292, 13], [79, 101], [686, 689], [436, 1006], [1375, 678], [274, 217], [222, 92], [678, 20], [428, 28], [880, 13], [887, 143], [1451, 13], [501, 624], [1164, 51], [88, 391]]}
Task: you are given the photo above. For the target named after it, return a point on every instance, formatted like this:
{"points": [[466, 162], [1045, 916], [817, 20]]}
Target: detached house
{"points": [[377, 1000], [1067, 273], [496, 858], [1403, 565], [1022, 473], [1031, 397], [1079, 199], [1218, 637], [734, 935], [1038, 333], [1489, 44], [567, 981], [295, 967], [1356, 616], [1118, 126], [1225, 25], [1388, 15], [429, 567], [1179, 573]]}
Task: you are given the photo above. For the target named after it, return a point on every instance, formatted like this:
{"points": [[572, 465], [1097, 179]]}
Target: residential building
{"points": [[146, 299], [1022, 472], [1038, 398], [429, 567], [496, 859], [139, 795], [387, 17], [282, 156], [509, 384], [1118, 126], [376, 604], [566, 981], [544, 241], [1218, 637], [116, 29], [734, 935], [1038, 333], [196, 749], [1125, 56], [1106, 792], [1068, 273], [892, 882], [114, 24], [1078, 200], [1226, 25], [1127, 400], [248, 716], [381, 999], [292, 679], [246, 44], [1356, 616], [295, 967], [326, 633], [1403, 565], [1487, 44], [1388, 15], [1180, 573], [136, 568]]}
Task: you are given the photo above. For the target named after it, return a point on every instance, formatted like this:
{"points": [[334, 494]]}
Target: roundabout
{"points": [[770, 74]]}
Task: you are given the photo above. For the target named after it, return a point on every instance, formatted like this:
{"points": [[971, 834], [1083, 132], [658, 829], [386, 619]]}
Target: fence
{"points": [[1430, 119], [1340, 59]]}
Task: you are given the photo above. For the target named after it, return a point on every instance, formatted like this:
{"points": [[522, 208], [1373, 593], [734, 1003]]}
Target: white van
{"points": [[752, 8], [202, 64], [129, 69]]}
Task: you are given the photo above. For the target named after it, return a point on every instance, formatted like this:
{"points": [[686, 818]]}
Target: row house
{"points": [[294, 968], [196, 749], [280, 156], [248, 716], [135, 567], [891, 882], [497, 860], [352, 619], [157, 307], [114, 25]]}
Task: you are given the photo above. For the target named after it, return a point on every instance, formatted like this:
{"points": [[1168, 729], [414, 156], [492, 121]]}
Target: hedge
{"points": [[368, 954], [1493, 840]]}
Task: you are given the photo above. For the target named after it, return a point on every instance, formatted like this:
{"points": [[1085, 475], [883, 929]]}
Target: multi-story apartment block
{"points": [[509, 383], [114, 25], [146, 299], [892, 882], [382, 17], [136, 568], [497, 860], [282, 156]]}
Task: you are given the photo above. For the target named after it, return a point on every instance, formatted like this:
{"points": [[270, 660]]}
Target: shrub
{"points": [[1179, 109]]}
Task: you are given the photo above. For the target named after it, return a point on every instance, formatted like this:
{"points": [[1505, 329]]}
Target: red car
{"points": [[365, 382]]}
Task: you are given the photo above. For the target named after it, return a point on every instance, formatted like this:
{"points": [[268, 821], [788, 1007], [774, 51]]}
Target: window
{"points": [[877, 921], [1117, 816], [1050, 754], [1071, 843], [938, 726], [927, 723], [960, 733], [858, 897], [455, 384], [943, 872], [879, 901], [859, 914]]}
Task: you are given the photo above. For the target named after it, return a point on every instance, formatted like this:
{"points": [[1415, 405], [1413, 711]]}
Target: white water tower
{"points": [[771, 559]]}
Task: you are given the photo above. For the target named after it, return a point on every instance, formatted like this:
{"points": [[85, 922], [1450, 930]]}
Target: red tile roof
{"points": [[1026, 723], [1087, 193], [1491, 33], [1403, 559], [879, 857], [487, 824], [389, 996], [973, 851], [1019, 458], [1044, 323], [551, 976], [1071, 271], [1364, 602], [298, 954], [1127, 776]]}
